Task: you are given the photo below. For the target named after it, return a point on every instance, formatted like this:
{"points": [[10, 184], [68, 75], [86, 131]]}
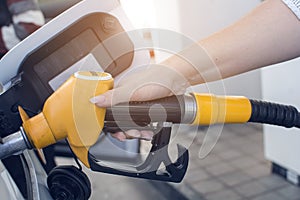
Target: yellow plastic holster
{"points": [[67, 113]]}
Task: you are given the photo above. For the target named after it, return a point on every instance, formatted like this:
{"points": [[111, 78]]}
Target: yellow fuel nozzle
{"points": [[212, 109], [67, 113], [194, 108]]}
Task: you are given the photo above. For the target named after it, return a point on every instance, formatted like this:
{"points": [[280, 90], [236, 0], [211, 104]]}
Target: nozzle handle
{"points": [[151, 166], [145, 112], [175, 109]]}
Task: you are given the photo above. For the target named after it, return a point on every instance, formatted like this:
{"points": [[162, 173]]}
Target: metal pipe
{"points": [[14, 144]]}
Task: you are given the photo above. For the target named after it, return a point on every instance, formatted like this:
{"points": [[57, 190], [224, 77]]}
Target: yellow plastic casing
{"points": [[213, 109], [68, 113]]}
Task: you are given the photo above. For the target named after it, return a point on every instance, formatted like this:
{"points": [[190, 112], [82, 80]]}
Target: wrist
{"points": [[194, 64]]}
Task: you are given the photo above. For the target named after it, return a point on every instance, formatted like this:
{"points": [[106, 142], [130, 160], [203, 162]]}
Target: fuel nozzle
{"points": [[67, 113], [194, 108]]}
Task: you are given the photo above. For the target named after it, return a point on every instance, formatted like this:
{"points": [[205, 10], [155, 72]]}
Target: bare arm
{"points": [[268, 35]]}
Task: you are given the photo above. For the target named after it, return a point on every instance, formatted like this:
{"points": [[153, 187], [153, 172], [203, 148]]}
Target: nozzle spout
{"points": [[14, 144]]}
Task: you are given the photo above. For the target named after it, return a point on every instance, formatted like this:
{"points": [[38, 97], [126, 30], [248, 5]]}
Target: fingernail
{"points": [[133, 133], [147, 135], [120, 136], [98, 99], [148, 138]]}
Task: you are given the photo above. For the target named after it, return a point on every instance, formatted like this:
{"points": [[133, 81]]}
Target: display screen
{"points": [[88, 63], [84, 45], [69, 58]]}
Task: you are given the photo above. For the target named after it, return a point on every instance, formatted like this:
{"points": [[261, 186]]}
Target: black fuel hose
{"points": [[274, 114]]}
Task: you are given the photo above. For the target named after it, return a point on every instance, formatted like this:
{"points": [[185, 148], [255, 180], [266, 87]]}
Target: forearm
{"points": [[261, 38]]}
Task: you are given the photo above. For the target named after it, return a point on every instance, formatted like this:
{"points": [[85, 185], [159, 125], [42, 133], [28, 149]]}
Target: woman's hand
{"points": [[153, 82]]}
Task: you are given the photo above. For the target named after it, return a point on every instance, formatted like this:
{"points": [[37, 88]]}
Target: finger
{"points": [[147, 135], [103, 100], [119, 136], [113, 97], [150, 91], [132, 134], [135, 134]]}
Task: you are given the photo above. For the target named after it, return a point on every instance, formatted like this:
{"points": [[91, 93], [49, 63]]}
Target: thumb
{"points": [[111, 97], [104, 100]]}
